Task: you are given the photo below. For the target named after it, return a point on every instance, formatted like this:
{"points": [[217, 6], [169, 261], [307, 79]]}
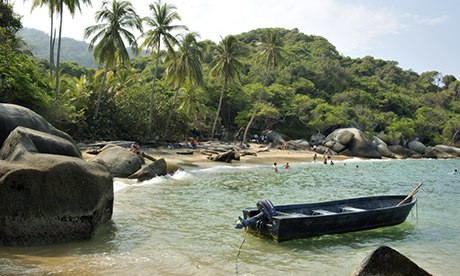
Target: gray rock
{"points": [[23, 139], [49, 197], [402, 151], [157, 168], [387, 261], [448, 149], [121, 161], [417, 147], [12, 116], [385, 151], [382, 147], [355, 141], [440, 152]]}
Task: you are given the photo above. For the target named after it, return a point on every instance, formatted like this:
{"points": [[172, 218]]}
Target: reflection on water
{"points": [[183, 224]]}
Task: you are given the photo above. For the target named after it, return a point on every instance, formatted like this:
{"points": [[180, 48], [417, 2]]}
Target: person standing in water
{"points": [[275, 168], [287, 165]]}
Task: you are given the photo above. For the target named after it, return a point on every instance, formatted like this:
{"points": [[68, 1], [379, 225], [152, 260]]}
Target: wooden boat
{"points": [[287, 222]]}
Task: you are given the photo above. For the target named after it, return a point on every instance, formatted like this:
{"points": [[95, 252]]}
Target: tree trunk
{"points": [[257, 106], [59, 51], [219, 107], [99, 96], [153, 88], [171, 110], [51, 60]]}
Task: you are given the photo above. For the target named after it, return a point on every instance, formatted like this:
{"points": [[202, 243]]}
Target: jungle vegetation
{"points": [[265, 79]]}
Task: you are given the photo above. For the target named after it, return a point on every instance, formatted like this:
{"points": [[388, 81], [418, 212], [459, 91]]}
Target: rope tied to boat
{"points": [[239, 251]]}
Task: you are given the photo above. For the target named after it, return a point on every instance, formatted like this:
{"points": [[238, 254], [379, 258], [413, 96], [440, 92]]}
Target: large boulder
{"points": [[387, 261], [23, 140], [49, 197], [352, 140], [12, 116], [442, 152], [382, 147], [417, 147], [448, 149], [403, 152], [120, 161]]}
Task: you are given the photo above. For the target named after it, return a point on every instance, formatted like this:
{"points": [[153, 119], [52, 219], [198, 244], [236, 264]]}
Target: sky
{"points": [[421, 35]]}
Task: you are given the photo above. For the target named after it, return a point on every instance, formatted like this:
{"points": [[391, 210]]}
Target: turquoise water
{"points": [[183, 224]]}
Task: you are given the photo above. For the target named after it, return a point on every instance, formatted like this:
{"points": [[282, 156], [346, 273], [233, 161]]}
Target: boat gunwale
{"points": [[285, 208]]}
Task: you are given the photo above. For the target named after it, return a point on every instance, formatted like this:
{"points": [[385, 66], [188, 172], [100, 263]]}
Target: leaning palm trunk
{"points": [[219, 107], [171, 110], [153, 88], [99, 96], [257, 107], [58, 56]]}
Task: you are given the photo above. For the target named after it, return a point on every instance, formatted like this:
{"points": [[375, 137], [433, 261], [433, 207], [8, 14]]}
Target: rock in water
{"points": [[49, 197], [387, 261]]}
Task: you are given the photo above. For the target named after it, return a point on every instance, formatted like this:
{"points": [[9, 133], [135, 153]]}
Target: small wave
{"points": [[120, 184]]}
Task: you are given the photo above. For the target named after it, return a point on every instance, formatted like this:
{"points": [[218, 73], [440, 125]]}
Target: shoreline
{"points": [[200, 160]]}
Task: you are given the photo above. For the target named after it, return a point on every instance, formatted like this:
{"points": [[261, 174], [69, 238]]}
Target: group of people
{"points": [[275, 166]]}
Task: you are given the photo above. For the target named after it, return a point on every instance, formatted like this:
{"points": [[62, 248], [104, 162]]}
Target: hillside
{"points": [[71, 49]]}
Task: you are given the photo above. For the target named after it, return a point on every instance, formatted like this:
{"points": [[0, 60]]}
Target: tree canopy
{"points": [[315, 89]]}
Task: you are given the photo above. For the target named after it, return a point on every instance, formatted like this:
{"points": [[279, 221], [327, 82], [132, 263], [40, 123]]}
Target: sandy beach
{"points": [[198, 159]]}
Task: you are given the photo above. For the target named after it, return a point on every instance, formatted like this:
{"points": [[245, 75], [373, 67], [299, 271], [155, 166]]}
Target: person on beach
{"points": [[287, 165], [275, 168], [135, 148], [314, 158]]}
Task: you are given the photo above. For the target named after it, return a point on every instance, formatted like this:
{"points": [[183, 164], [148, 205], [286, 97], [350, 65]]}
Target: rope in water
{"points": [[239, 251]]}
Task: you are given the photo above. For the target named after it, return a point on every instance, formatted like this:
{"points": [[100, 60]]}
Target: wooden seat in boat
{"points": [[352, 209]]}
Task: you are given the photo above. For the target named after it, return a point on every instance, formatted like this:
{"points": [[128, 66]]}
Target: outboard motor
{"points": [[266, 210]]}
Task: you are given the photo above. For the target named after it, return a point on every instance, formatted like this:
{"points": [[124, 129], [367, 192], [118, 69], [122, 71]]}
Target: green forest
{"points": [[265, 79]]}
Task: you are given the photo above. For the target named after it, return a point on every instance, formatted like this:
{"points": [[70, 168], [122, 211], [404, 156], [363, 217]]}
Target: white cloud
{"points": [[427, 20]]}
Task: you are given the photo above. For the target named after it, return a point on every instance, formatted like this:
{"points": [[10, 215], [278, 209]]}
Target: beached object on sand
{"points": [[48, 194], [288, 222], [224, 157], [386, 261]]}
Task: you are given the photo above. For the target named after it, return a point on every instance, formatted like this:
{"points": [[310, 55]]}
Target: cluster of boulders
{"points": [[122, 161], [353, 142], [48, 193]]}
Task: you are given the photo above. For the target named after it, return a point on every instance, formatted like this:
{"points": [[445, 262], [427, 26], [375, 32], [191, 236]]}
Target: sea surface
{"points": [[184, 224]]}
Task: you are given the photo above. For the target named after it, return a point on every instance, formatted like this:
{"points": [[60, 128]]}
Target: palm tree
{"points": [[161, 28], [71, 5], [225, 65], [108, 41], [184, 68], [53, 6], [270, 54]]}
